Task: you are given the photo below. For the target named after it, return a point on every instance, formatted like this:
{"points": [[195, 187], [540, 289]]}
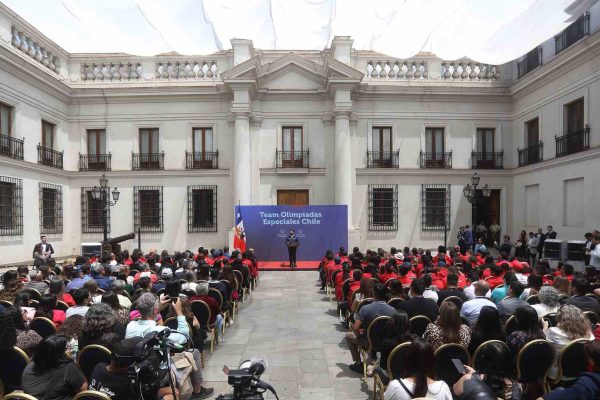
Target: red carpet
{"points": [[284, 266]]}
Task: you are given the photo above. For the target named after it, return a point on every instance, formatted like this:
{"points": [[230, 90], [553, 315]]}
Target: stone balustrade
{"points": [[186, 70], [468, 71], [111, 72], [30, 47], [397, 69]]}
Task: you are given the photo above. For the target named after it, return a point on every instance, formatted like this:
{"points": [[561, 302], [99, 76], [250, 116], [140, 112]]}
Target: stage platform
{"points": [[285, 266]]}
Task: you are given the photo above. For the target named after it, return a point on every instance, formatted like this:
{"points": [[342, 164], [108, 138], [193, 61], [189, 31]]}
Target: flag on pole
{"points": [[239, 240]]}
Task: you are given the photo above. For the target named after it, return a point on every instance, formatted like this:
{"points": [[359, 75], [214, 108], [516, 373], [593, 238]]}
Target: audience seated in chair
{"points": [[447, 328], [549, 300], [15, 332], [488, 327], [417, 304], [528, 329], [472, 308]]}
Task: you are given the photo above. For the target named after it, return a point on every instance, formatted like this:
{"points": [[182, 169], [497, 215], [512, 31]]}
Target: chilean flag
{"points": [[239, 239]]}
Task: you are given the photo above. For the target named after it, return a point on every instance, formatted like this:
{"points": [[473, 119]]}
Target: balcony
{"points": [[573, 33], [436, 160], [292, 159], [531, 61], [383, 159], [202, 160], [148, 161], [531, 155], [94, 162], [11, 147], [573, 142], [481, 160], [49, 157]]}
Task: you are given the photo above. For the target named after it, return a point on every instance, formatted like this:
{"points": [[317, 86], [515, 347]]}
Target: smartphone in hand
{"points": [[460, 368]]}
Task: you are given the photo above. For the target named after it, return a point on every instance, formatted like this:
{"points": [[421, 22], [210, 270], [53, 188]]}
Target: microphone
{"points": [[164, 333], [258, 366]]}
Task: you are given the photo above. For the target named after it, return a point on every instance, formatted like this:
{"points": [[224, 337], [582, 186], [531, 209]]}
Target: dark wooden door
{"points": [[292, 197], [488, 208]]}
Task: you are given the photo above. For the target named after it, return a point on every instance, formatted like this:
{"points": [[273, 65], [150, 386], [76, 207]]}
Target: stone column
{"points": [[343, 162], [241, 158]]}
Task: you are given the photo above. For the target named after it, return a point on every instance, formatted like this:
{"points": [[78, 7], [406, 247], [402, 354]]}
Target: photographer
{"points": [[149, 307]]}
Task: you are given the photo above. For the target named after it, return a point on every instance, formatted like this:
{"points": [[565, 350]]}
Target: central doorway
{"points": [[487, 210], [292, 197]]}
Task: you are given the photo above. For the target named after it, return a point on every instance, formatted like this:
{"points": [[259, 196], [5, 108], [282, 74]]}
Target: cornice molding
{"points": [[292, 171]]}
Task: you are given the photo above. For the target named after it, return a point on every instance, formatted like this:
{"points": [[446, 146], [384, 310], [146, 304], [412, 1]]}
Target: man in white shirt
{"points": [[595, 252], [469, 291], [471, 309], [82, 300]]}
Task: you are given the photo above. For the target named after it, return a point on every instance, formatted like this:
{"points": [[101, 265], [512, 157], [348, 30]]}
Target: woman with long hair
{"points": [[488, 327], [365, 291], [12, 285], [14, 331], [563, 285], [528, 329], [420, 372], [571, 324], [71, 329], [398, 332], [448, 328], [22, 300], [52, 374], [57, 288], [228, 275], [100, 327], [497, 370], [47, 309], [122, 314]]}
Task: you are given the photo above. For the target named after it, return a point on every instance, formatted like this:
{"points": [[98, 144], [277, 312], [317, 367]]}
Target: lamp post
{"points": [[472, 196], [102, 193]]}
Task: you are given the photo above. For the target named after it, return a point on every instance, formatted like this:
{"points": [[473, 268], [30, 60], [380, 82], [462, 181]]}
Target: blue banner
{"points": [[318, 228]]}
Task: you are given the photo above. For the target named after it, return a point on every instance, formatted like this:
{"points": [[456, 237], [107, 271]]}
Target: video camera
{"points": [[246, 381]]}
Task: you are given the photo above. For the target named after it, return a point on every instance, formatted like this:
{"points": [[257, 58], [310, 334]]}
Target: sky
{"points": [[488, 31]]}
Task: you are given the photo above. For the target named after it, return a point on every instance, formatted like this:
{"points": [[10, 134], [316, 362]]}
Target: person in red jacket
{"points": [[388, 272], [215, 312]]}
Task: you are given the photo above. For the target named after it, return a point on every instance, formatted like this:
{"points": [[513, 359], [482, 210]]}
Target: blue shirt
{"points": [[479, 248], [143, 327], [77, 283], [469, 236], [104, 282], [499, 293], [470, 309]]}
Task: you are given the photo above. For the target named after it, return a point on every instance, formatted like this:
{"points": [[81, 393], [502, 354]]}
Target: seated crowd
{"points": [[48, 315], [422, 310]]}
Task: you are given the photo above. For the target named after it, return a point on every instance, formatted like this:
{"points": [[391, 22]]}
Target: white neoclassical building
{"points": [[186, 138]]}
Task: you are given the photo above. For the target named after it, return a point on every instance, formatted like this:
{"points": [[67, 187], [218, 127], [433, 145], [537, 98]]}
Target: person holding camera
{"points": [[149, 307]]}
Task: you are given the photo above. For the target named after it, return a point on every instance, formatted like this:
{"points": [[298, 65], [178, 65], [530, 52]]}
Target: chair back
{"points": [[12, 365], [476, 359], [91, 395], [61, 305], [464, 320], [346, 288], [362, 303], [418, 324], [333, 275], [571, 360], [188, 292], [511, 325], [90, 356], [376, 332], [592, 317], [444, 367], [215, 294], [396, 362], [533, 299], [534, 361], [201, 311], [160, 291], [19, 396], [34, 294], [551, 319], [6, 303], [395, 302], [456, 300], [43, 326]]}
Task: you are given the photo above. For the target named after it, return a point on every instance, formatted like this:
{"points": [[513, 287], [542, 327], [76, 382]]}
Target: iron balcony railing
{"points": [[573, 33], [383, 159], [202, 160], [94, 162], [292, 159], [532, 154], [436, 160], [484, 160], [531, 61], [11, 147], [573, 142], [49, 157], [148, 161]]}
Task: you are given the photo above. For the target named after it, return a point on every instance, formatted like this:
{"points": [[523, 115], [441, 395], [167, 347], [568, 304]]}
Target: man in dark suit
{"points": [[292, 244], [417, 304], [42, 252], [581, 287]]}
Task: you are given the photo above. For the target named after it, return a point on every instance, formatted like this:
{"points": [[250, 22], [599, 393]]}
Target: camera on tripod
{"points": [[246, 381]]}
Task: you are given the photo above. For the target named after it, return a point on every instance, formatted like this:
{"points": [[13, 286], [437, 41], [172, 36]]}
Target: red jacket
{"points": [[212, 304]]}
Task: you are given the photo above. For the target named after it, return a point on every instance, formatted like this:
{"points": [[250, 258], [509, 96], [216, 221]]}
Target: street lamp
{"points": [[101, 193], [472, 196]]}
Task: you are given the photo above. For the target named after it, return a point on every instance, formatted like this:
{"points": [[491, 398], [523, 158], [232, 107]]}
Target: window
{"points": [[574, 116], [435, 207], [434, 140], [203, 141], [51, 210], [292, 140], [573, 33], [202, 208], [92, 213], [149, 140], [530, 61], [293, 154], [5, 120], [485, 140], [11, 206], [96, 142], [148, 208], [382, 139], [532, 132], [383, 207], [48, 134]]}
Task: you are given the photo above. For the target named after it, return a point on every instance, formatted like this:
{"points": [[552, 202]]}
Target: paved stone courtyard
{"points": [[295, 327]]}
